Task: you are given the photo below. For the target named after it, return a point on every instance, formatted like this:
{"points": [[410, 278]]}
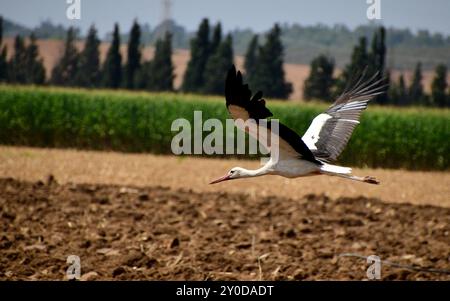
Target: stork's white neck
{"points": [[246, 173]]}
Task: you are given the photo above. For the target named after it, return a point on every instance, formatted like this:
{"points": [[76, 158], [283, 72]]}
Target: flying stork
{"points": [[321, 144]]}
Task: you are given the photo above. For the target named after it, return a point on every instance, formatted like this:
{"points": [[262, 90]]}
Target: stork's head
{"points": [[234, 173]]}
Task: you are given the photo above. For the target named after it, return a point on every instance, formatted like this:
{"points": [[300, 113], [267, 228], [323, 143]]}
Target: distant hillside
{"points": [[149, 36], [302, 43], [45, 30], [11, 28]]}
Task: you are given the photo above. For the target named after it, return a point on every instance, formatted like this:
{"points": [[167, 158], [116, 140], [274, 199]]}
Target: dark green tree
{"points": [[18, 69], [360, 57], [394, 91], [320, 80], [89, 69], [377, 59], [133, 56], [359, 60], [416, 95], [402, 92], [448, 96], [112, 67], [216, 39], [218, 65], [251, 59], [143, 76], [3, 65], [35, 66], [65, 71], [3, 56], [439, 87], [397, 92], [269, 72], [377, 54], [200, 50], [161, 68]]}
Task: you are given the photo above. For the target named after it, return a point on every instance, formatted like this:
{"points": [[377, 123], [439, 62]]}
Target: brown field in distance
{"points": [[33, 164]]}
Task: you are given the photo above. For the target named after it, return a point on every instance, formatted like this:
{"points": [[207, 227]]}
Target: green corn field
{"points": [[413, 138]]}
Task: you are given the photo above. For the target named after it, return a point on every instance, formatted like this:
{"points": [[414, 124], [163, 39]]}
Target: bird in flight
{"points": [[321, 144]]}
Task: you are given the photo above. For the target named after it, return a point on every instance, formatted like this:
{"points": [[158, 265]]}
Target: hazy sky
{"points": [[259, 15]]}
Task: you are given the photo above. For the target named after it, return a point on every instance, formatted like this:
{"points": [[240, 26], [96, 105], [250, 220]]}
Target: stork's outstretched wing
{"points": [[330, 131], [239, 100], [241, 105]]}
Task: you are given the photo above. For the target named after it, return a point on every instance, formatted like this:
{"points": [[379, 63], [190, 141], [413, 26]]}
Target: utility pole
{"points": [[166, 14]]}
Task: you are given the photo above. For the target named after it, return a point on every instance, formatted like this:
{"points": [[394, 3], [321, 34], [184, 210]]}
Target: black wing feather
{"points": [[238, 94]]}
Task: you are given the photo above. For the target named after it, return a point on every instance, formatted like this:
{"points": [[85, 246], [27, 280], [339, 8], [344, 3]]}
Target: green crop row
{"points": [[141, 122]]}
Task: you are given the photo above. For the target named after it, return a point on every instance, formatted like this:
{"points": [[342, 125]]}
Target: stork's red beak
{"points": [[221, 179]]}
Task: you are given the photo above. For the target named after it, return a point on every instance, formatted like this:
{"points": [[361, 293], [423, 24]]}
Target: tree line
{"points": [[211, 57], [310, 39], [322, 85], [24, 66], [84, 69]]}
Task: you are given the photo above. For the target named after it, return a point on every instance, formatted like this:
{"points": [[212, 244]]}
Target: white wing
{"points": [[330, 131]]}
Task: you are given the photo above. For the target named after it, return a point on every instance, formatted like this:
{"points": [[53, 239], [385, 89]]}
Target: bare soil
{"points": [[143, 216], [125, 232]]}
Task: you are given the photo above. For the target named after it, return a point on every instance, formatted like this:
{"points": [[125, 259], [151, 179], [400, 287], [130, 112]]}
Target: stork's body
{"points": [[322, 143]]}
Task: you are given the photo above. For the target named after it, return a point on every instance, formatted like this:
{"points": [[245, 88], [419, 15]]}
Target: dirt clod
{"points": [[118, 271]]}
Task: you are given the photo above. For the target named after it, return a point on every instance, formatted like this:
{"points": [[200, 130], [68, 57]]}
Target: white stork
{"points": [[322, 143]]}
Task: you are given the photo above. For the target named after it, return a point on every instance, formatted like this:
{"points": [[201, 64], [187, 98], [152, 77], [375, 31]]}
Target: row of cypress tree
{"points": [[211, 58], [322, 85], [24, 66], [402, 95], [264, 65], [84, 69]]}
